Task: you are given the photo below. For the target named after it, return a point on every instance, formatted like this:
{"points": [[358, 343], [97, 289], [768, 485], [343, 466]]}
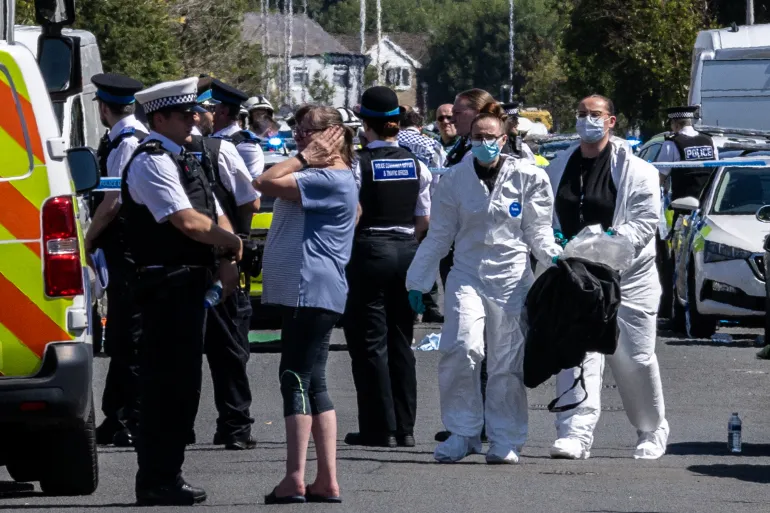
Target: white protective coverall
{"points": [[634, 364], [485, 292]]}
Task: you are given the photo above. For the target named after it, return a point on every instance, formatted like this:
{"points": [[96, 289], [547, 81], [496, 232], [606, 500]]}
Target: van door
{"points": [[28, 319]]}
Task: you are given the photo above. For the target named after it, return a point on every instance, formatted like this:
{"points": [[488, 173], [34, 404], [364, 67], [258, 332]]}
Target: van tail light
{"points": [[61, 252]]}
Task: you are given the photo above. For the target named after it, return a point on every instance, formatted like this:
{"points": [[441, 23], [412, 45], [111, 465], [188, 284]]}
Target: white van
{"points": [[77, 113], [730, 77]]}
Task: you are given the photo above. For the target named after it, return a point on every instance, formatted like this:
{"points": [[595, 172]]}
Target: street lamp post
{"points": [[424, 86]]}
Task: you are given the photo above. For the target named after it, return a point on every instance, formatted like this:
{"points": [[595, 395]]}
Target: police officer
{"points": [[395, 208], [179, 240], [227, 326], [515, 147], [686, 144], [228, 105], [260, 114], [115, 97]]}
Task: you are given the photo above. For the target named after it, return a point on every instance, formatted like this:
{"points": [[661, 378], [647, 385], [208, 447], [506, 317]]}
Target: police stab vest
{"points": [[151, 243], [110, 239], [456, 154], [690, 181], [390, 186], [206, 150]]}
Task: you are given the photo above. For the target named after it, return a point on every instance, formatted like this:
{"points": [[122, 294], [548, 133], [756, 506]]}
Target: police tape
{"points": [[113, 184]]}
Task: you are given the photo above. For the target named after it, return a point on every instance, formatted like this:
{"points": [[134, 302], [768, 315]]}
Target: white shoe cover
{"points": [[652, 445], [457, 447], [569, 449], [500, 455]]}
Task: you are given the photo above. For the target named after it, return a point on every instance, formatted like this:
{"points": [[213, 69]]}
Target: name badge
{"points": [[699, 153], [386, 170]]}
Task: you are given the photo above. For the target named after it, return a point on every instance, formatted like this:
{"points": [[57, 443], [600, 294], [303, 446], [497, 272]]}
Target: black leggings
{"points": [[305, 336]]}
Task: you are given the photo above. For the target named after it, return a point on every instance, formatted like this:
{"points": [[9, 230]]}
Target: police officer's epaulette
{"points": [[669, 136], [153, 146], [249, 135], [129, 130]]}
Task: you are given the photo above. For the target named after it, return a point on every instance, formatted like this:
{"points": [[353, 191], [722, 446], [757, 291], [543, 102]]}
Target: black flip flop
{"points": [[311, 497], [290, 499]]}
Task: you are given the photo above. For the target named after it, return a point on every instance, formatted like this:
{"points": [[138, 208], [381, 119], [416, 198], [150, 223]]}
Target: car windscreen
{"points": [[742, 191]]}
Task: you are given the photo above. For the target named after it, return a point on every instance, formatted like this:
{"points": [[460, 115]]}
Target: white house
{"points": [[400, 56], [313, 52]]}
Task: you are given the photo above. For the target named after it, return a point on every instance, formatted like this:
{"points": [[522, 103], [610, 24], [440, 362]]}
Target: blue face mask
{"points": [[484, 151]]}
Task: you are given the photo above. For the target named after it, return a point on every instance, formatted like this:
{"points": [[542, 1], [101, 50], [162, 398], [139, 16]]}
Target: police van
{"points": [[46, 399]]}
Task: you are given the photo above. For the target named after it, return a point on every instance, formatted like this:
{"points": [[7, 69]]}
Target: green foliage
{"points": [[546, 85], [209, 35], [637, 52], [320, 90], [370, 76]]}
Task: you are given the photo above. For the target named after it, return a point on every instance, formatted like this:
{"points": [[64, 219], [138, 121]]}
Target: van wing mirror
{"points": [[687, 204], [84, 169], [54, 12], [763, 214]]}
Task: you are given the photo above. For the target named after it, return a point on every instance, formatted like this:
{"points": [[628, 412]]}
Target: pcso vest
{"points": [[206, 150], [151, 243], [690, 181], [390, 186]]}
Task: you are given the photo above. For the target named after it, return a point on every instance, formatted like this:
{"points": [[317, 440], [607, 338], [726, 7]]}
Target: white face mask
{"points": [[590, 129]]}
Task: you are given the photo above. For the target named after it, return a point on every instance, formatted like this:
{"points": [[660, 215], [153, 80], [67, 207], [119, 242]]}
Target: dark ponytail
{"points": [[491, 110]]}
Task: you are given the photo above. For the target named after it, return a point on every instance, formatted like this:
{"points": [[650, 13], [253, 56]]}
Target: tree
{"points": [[637, 52], [134, 38], [209, 41], [320, 90], [546, 85]]}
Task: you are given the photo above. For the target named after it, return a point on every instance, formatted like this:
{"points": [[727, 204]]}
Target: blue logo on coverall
{"points": [[515, 209], [394, 170]]}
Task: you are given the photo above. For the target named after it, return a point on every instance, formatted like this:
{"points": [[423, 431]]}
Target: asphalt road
{"points": [[704, 383]]}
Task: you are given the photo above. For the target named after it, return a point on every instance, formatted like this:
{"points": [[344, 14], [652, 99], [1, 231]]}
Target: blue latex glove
{"points": [[415, 301], [555, 259], [611, 232]]}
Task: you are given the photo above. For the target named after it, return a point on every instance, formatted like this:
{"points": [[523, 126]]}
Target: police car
{"points": [[718, 249]]}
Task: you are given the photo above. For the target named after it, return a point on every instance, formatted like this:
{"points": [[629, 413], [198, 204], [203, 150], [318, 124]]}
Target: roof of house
{"points": [[319, 41], [415, 46]]}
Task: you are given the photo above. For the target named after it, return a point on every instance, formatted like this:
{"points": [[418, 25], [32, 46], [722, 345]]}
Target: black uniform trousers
{"points": [[171, 359], [227, 349], [121, 343], [379, 326]]}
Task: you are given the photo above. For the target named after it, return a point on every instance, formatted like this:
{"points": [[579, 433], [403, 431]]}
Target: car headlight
{"points": [[715, 252]]}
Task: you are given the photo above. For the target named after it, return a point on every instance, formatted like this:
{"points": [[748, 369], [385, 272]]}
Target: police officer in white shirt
{"points": [[115, 97], [226, 126], [179, 240]]}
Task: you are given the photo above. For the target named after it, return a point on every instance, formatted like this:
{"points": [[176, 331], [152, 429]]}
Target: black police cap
{"points": [[116, 88], [379, 102], [226, 93]]}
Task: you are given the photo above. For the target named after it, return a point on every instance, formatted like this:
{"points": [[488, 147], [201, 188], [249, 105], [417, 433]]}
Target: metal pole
{"points": [[749, 12], [510, 51]]}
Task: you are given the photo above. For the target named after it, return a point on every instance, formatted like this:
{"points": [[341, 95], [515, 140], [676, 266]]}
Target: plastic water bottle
{"points": [[734, 434], [213, 295]]}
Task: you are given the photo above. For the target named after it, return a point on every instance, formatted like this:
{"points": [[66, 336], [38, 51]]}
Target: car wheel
{"points": [[701, 326], [24, 470], [73, 467]]}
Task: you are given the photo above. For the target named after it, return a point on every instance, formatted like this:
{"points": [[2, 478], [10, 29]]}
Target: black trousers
{"points": [[171, 358], [227, 348], [120, 401], [379, 326]]}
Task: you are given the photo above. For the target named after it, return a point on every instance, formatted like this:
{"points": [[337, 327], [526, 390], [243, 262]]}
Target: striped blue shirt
{"points": [[309, 242]]}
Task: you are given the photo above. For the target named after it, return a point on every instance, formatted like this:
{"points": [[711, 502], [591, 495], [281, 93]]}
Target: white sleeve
{"points": [[668, 153], [357, 173], [120, 156], [444, 225], [218, 207], [235, 175], [423, 200], [153, 180], [528, 154], [253, 157], [536, 219], [642, 204]]}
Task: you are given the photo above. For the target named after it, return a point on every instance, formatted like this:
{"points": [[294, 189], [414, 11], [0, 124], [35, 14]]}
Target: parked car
{"points": [[718, 251]]}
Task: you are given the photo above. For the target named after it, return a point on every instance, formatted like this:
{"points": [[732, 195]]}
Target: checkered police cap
{"points": [[682, 113], [179, 93]]}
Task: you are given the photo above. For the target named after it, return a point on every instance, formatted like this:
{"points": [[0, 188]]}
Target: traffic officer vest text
{"points": [[390, 185]]}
